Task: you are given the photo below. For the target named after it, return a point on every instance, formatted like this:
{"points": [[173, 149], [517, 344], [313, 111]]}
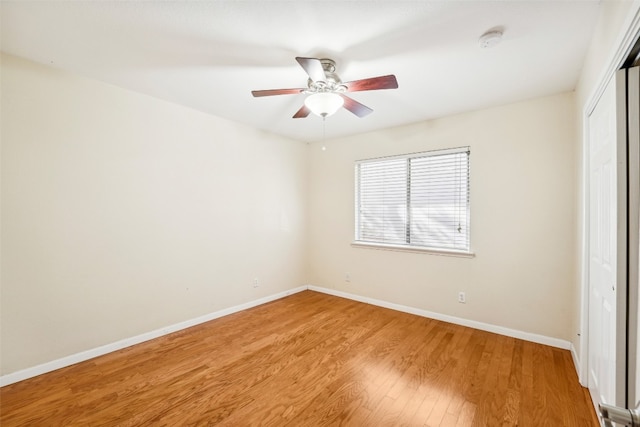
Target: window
{"points": [[415, 201]]}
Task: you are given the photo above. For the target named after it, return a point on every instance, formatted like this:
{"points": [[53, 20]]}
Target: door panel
{"points": [[607, 249]]}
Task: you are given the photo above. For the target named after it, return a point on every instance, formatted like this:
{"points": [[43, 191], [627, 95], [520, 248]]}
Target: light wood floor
{"points": [[312, 360]]}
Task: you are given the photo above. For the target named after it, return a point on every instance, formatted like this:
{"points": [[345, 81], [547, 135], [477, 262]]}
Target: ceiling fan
{"points": [[327, 92]]}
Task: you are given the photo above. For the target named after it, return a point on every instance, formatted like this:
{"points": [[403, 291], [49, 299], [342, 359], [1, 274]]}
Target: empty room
{"points": [[319, 213]]}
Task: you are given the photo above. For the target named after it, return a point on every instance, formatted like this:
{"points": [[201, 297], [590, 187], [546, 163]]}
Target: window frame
{"points": [[468, 253]]}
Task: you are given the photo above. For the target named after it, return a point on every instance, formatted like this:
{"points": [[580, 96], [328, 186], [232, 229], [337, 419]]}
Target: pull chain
{"points": [[324, 133]]}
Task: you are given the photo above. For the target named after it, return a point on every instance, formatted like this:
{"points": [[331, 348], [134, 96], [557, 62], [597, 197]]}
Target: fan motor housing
{"points": [[332, 82]]}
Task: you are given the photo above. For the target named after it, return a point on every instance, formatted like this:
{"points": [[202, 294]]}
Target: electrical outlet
{"points": [[347, 277], [462, 298], [256, 282]]}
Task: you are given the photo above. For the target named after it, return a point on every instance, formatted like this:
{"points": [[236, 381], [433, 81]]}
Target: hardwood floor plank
{"points": [[467, 414], [412, 406], [541, 396], [311, 360]]}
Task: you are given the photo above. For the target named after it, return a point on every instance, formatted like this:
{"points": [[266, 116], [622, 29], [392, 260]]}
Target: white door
{"points": [[626, 410], [607, 189]]}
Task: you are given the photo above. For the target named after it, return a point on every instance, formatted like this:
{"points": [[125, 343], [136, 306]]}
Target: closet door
{"points": [[608, 246]]}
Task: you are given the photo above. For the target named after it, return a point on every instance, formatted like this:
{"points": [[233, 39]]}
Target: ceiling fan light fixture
{"points": [[324, 104], [325, 91]]}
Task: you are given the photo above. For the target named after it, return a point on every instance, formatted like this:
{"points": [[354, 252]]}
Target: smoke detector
{"points": [[490, 39]]}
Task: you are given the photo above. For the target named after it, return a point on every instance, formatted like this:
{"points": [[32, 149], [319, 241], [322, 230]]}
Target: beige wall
{"points": [[522, 219], [610, 26], [122, 214]]}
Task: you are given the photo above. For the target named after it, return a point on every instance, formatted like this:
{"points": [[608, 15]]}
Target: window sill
{"points": [[443, 252]]}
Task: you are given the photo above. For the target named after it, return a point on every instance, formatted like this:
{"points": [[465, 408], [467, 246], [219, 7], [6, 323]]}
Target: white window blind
{"points": [[417, 200]]}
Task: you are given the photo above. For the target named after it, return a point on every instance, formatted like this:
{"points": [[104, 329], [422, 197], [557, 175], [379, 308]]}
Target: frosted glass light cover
{"points": [[324, 104]]}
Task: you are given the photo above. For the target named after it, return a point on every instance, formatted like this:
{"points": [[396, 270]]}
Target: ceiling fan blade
{"points": [[355, 107], [302, 112], [374, 83], [313, 67], [271, 92]]}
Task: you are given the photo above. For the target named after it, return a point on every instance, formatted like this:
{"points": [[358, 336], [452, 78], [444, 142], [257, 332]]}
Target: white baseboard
{"points": [[527, 336], [576, 362], [127, 342]]}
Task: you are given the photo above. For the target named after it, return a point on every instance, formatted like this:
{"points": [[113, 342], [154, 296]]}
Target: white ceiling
{"points": [[209, 55]]}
